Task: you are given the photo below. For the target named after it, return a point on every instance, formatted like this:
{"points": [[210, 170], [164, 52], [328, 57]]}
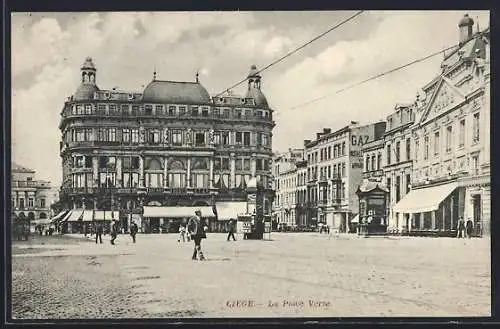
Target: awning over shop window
{"points": [[176, 211], [59, 216], [106, 215], [228, 210], [67, 216], [88, 215], [75, 215], [424, 199]]}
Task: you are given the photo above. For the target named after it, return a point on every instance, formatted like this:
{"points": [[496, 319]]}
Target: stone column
{"points": [[188, 178], [444, 217], [161, 225], [141, 171], [232, 176], [165, 172], [433, 220], [119, 171], [95, 170], [421, 220], [253, 165], [211, 174]]}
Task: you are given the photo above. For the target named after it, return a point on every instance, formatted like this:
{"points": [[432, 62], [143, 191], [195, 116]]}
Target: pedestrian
{"points": [[98, 232], [114, 231], [469, 227], [461, 228], [232, 229], [133, 230], [197, 231], [182, 233]]}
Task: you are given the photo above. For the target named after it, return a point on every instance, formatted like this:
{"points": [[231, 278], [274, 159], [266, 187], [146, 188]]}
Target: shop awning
{"points": [[424, 199], [75, 215], [355, 219], [106, 215], [88, 215], [59, 216], [67, 216], [228, 210], [150, 211]]}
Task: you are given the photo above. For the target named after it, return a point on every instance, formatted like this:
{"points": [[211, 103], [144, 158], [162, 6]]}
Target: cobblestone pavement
{"points": [[298, 275]]}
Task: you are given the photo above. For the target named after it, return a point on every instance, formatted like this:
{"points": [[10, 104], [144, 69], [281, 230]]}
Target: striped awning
{"points": [[59, 216], [66, 217], [175, 212], [88, 215], [106, 215], [76, 215]]}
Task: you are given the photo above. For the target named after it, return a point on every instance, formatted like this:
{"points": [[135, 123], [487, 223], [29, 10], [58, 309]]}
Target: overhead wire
{"points": [[296, 49], [374, 77]]}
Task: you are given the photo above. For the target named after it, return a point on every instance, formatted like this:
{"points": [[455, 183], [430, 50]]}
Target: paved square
{"points": [[295, 275]]}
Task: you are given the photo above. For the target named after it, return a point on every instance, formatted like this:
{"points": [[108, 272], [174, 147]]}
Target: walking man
{"points": [[98, 232], [197, 232], [133, 230], [232, 229], [114, 231], [461, 228], [469, 227]]}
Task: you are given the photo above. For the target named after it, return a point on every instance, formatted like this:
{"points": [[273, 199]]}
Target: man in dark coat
{"points": [[196, 229], [133, 230], [114, 231], [469, 228], [232, 229], [98, 232]]}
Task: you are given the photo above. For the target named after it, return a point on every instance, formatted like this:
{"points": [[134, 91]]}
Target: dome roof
{"points": [[253, 72], [85, 91], [88, 64], [466, 21], [258, 96], [175, 92]]}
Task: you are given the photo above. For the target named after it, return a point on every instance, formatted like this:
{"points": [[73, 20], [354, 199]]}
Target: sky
{"points": [[49, 48]]}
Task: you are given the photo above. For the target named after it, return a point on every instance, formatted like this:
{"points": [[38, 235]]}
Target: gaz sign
{"points": [[359, 140]]}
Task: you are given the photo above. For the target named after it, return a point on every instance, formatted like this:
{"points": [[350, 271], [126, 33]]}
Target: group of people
{"points": [[465, 228], [114, 229]]}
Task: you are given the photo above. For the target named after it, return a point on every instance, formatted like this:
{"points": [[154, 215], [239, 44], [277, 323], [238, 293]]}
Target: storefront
{"points": [[168, 219], [227, 211], [372, 217], [433, 209]]}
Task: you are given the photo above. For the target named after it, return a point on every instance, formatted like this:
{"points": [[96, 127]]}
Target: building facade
{"points": [[451, 141], [286, 210], [170, 145], [398, 164], [334, 172], [31, 198]]}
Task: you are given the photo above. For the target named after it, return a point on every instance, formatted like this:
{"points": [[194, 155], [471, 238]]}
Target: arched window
{"points": [[43, 215]]}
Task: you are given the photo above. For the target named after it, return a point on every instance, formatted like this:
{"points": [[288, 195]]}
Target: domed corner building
{"points": [[158, 155]]}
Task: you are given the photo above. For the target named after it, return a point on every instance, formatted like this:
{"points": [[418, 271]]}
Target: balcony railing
{"points": [[31, 184], [167, 115]]}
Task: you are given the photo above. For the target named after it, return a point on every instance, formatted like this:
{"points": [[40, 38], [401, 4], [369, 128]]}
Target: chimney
{"points": [[327, 130], [318, 135]]}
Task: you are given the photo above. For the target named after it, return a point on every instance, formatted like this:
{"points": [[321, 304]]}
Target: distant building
{"points": [[451, 142], [334, 172], [398, 164], [31, 198], [285, 208]]}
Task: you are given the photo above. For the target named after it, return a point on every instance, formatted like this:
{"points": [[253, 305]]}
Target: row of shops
{"points": [[154, 219]]}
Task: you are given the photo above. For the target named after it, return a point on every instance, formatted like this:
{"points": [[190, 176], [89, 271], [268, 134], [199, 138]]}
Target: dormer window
{"points": [[148, 109], [194, 111], [204, 112], [130, 96]]}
